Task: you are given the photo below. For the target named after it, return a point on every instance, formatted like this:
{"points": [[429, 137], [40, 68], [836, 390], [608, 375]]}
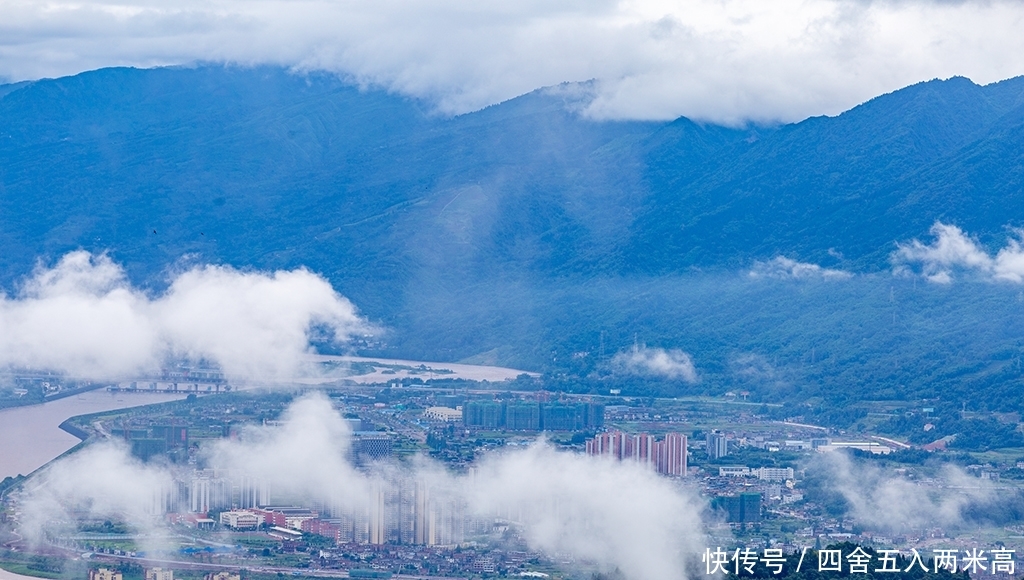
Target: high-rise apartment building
{"points": [[718, 445], [667, 456], [641, 449], [523, 416], [671, 454], [612, 443]]}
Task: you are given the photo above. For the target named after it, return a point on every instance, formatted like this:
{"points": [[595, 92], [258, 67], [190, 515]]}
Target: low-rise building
{"points": [[240, 520], [443, 414], [104, 574], [774, 473]]}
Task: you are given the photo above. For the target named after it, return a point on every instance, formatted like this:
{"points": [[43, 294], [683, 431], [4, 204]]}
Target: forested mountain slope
{"points": [[524, 233]]}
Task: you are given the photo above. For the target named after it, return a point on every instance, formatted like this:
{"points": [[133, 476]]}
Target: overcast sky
{"points": [[719, 60]]}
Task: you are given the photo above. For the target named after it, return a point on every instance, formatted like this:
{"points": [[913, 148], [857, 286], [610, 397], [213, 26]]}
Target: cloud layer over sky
{"points": [[721, 60]]}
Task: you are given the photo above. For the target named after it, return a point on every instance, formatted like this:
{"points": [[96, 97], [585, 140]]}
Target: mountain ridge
{"points": [[529, 231]]}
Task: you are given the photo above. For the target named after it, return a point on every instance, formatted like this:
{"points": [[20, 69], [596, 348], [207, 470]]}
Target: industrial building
{"points": [[443, 414]]}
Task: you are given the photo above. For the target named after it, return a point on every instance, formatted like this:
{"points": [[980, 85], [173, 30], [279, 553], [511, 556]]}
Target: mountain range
{"points": [[528, 234]]}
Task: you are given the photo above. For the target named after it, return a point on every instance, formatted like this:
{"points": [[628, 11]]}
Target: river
{"points": [[5, 575], [31, 436]]}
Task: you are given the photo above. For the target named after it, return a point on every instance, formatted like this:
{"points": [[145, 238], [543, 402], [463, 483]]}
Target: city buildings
{"points": [[371, 446], [252, 492], [667, 456], [672, 454], [532, 416], [166, 440], [240, 519], [718, 445], [207, 491], [443, 414], [104, 574], [743, 508], [762, 473], [774, 473], [396, 511], [523, 416], [487, 415]]}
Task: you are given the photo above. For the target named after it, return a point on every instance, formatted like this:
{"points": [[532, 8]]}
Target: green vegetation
{"points": [[29, 570], [611, 232], [105, 527], [971, 434], [40, 566]]}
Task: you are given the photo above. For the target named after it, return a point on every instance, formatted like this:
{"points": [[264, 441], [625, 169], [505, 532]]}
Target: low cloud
{"points": [[574, 504], [84, 318], [883, 501], [754, 368], [562, 503], [672, 364], [306, 456], [785, 268], [101, 482], [953, 250]]}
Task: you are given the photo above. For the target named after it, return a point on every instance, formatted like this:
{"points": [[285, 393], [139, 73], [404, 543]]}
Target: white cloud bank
{"points": [[305, 457], [954, 250], [672, 364], [725, 61], [84, 318], [785, 268]]}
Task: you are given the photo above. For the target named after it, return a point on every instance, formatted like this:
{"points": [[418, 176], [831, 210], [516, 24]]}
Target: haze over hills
{"points": [[524, 234]]}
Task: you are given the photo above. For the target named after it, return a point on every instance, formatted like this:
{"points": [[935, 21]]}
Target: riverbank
{"points": [[31, 436]]}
